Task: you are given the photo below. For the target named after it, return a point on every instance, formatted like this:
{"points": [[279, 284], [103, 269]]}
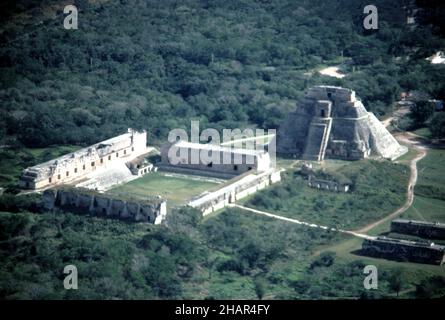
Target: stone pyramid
{"points": [[331, 122]]}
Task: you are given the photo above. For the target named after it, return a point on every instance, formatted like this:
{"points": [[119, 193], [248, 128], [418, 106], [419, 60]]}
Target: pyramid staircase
{"points": [[317, 139]]}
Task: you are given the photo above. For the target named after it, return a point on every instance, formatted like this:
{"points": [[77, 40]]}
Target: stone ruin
{"points": [[247, 171], [328, 185], [331, 122], [75, 182], [238, 188], [219, 161], [418, 250], [83, 201], [404, 250], [81, 163], [423, 229]]}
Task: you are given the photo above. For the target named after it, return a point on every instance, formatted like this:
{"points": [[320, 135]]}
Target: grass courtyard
{"points": [[429, 200], [175, 188], [377, 189]]}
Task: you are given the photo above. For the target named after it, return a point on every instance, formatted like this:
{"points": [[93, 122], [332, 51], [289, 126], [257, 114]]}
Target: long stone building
{"points": [[79, 164], [213, 159], [331, 122], [238, 188], [424, 229], [404, 250]]}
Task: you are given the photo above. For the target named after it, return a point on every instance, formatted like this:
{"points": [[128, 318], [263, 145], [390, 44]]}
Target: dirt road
{"points": [[422, 151]]}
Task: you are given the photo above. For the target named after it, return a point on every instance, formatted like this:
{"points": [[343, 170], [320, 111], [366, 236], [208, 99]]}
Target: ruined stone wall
{"points": [[403, 250], [419, 228], [238, 189], [326, 185], [84, 202]]}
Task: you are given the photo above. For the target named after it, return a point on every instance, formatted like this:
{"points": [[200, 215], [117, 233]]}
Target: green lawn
{"points": [[407, 157], [377, 188], [423, 132], [432, 173], [429, 200], [431, 179], [175, 188], [426, 209]]}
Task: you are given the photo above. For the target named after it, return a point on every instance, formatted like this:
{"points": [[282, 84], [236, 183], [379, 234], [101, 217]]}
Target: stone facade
{"points": [[330, 122], [141, 166], [85, 201], [236, 189], [327, 185], [430, 230], [404, 250], [229, 161], [76, 165]]}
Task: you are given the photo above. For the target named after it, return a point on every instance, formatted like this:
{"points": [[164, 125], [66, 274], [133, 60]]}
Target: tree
{"points": [[325, 259], [421, 111], [259, 287], [430, 287], [395, 281], [437, 125], [251, 253]]}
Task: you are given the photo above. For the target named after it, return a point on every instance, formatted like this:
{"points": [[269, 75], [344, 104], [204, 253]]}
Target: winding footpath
{"points": [[422, 151], [310, 225]]}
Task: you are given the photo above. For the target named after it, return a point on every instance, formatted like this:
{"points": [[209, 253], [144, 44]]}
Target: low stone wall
{"points": [[238, 189], [404, 250], [82, 201], [422, 229], [326, 185]]}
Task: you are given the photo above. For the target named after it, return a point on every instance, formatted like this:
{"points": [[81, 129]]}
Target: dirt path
{"points": [[422, 151], [399, 113], [307, 224]]}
